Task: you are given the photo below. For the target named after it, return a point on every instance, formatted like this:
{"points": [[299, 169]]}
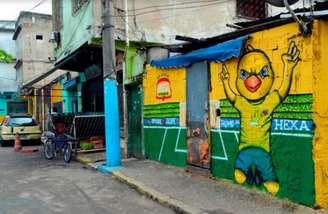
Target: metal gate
{"points": [[197, 115]]}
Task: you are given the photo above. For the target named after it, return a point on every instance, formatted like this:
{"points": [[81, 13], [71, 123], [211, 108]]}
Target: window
{"points": [[77, 5], [254, 9], [57, 14], [17, 107], [39, 37], [21, 121]]}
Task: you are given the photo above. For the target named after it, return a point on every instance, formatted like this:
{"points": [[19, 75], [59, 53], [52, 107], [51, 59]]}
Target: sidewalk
{"points": [[187, 193]]}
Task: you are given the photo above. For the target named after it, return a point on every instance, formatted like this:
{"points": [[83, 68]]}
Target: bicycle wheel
{"points": [[67, 153], [49, 149]]}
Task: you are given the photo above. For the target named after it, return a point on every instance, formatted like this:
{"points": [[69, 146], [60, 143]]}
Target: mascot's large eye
{"points": [[264, 72], [243, 74]]}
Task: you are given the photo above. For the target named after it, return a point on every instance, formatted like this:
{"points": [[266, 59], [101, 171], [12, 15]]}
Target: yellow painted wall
{"points": [[274, 42], [56, 93], [177, 78], [2, 118], [302, 80], [320, 144]]}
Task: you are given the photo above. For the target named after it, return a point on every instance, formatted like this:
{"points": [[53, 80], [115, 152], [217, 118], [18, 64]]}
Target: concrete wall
{"points": [[320, 112], [162, 24], [78, 28], [35, 54]]}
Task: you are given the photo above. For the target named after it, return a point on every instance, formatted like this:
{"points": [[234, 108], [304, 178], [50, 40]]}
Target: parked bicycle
{"points": [[57, 140]]}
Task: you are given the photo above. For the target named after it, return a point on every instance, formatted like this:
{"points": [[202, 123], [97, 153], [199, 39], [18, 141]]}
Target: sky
{"points": [[9, 9]]}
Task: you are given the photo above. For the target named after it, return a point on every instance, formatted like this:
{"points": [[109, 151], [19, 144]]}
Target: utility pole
{"points": [[127, 44], [112, 126]]}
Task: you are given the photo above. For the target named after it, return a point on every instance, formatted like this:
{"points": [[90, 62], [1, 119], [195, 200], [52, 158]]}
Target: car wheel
{"points": [[49, 149]]}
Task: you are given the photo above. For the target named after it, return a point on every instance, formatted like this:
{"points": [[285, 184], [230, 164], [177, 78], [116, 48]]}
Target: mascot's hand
{"points": [[224, 74], [291, 58]]}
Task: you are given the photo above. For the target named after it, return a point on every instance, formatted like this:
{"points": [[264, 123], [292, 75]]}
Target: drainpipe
{"points": [[127, 44], [303, 25], [42, 110]]}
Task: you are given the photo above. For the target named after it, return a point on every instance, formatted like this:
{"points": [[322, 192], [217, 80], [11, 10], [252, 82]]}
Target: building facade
{"points": [[9, 102], [34, 54], [34, 49]]}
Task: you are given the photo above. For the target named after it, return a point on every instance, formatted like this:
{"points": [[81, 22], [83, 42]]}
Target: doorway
{"points": [[197, 115], [134, 103]]}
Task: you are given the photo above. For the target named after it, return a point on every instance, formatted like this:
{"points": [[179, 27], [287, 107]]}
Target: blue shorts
{"points": [[258, 158]]}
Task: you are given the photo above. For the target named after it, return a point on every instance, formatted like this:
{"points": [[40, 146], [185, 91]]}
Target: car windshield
{"points": [[21, 121]]}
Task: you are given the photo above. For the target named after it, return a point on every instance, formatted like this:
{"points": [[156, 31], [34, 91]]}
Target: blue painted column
{"points": [[112, 127]]}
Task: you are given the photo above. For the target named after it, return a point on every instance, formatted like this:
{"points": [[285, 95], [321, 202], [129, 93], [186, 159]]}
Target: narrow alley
{"points": [[30, 185]]}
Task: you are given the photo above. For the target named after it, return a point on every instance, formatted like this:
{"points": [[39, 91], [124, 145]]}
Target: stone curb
{"points": [[87, 162], [165, 200]]}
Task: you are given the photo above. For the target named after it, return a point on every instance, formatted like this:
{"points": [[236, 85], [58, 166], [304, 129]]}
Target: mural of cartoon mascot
{"points": [[256, 102]]}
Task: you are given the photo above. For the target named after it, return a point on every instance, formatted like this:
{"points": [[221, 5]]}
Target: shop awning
{"points": [[217, 53]]}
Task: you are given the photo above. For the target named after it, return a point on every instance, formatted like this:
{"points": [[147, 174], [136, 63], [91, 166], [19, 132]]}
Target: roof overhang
{"points": [[77, 61], [81, 58]]}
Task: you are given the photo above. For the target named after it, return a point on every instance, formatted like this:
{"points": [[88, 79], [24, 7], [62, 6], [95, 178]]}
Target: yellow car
{"points": [[22, 124]]}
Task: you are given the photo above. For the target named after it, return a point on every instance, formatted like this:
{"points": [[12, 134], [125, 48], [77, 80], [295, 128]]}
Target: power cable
{"points": [[163, 18], [175, 8], [168, 5], [37, 5]]}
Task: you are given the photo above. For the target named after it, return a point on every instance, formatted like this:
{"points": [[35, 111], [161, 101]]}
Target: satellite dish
{"points": [[280, 3]]}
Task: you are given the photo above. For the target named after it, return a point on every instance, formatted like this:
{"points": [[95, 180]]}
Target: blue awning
{"points": [[217, 53]]}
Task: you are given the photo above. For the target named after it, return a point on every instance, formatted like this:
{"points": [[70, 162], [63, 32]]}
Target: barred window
{"points": [[57, 14], [77, 5], [254, 9]]}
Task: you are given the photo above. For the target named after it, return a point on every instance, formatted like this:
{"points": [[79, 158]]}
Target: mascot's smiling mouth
{"points": [[253, 83]]}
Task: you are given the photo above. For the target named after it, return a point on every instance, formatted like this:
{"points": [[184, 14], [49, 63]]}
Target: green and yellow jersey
{"points": [[255, 123]]}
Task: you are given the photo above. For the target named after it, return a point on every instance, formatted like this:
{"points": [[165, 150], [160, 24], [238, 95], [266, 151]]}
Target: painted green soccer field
{"points": [[292, 159], [166, 144]]}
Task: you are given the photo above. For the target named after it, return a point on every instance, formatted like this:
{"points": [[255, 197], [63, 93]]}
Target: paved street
{"points": [[29, 184]]}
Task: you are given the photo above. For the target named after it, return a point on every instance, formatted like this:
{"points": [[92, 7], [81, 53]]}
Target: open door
{"points": [[197, 115]]}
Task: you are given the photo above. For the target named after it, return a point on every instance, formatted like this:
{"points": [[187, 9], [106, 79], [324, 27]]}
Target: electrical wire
{"points": [[37, 5], [174, 8], [168, 5], [135, 30]]}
